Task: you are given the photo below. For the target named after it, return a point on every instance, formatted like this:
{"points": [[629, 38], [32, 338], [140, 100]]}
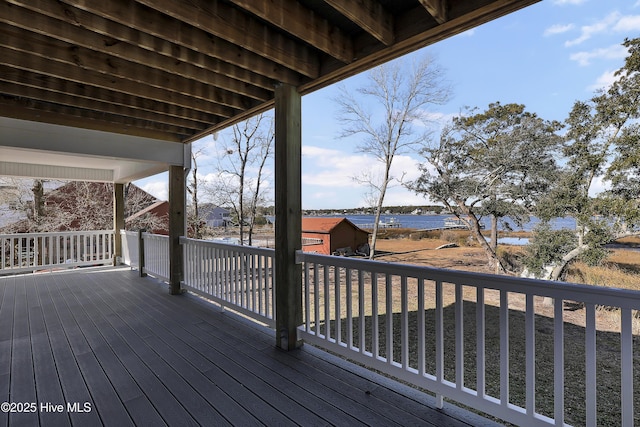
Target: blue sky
{"points": [[545, 56]]}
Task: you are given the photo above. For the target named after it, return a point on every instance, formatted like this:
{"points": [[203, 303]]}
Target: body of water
{"points": [[437, 221]]}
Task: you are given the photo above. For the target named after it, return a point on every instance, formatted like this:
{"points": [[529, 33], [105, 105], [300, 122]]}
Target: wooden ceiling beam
{"points": [[437, 9], [24, 109], [368, 15], [64, 97], [120, 100], [188, 45], [35, 44], [193, 65], [297, 20], [81, 75], [231, 28]]}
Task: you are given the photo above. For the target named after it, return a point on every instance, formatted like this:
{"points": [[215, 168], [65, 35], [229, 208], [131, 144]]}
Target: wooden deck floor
{"points": [[105, 347]]}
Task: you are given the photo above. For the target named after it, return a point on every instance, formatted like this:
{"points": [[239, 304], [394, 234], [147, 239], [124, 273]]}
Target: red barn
{"points": [[332, 235]]}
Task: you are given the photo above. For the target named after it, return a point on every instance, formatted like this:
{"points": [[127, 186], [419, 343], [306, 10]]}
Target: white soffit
{"points": [[39, 150]]}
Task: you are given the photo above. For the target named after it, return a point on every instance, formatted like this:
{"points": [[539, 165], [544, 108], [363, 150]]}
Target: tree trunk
{"points": [[374, 235], [476, 231], [559, 268], [494, 233], [494, 243], [376, 222]]}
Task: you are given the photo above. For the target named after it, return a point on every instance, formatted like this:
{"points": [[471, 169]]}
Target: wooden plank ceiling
{"points": [[177, 70]]}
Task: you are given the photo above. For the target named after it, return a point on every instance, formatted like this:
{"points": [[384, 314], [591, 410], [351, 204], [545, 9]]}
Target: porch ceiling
{"points": [[177, 70], [41, 150]]}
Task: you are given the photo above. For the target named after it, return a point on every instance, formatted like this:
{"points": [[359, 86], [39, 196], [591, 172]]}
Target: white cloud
{"points": [[612, 52], [331, 168], [333, 171], [627, 24], [587, 31], [158, 189], [558, 29], [468, 33], [605, 80], [566, 2]]}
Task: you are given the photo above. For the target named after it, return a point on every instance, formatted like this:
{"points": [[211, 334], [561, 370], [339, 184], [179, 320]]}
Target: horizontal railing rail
{"points": [[503, 345], [235, 276]]}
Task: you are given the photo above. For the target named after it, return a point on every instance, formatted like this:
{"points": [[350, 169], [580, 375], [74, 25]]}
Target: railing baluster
{"points": [[349, 302], [626, 366], [404, 321], [558, 361], [261, 285], [307, 297], [480, 343], [504, 349], [338, 305], [421, 329], [375, 334], [327, 302], [389, 317], [254, 272], [65, 244], [459, 337], [316, 299], [439, 341], [590, 366], [530, 355], [361, 312], [19, 252]]}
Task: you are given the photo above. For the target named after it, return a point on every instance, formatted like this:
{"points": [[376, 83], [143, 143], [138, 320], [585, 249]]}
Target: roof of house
{"points": [[146, 210], [324, 224]]}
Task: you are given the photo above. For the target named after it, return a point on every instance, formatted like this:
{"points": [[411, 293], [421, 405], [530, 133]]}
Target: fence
{"points": [[236, 276], [486, 341], [23, 252]]}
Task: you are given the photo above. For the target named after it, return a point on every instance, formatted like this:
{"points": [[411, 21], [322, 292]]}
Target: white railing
{"points": [[46, 251], [486, 341], [156, 255], [240, 277]]}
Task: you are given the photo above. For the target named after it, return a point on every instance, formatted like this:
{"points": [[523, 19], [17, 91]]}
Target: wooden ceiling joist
{"points": [[297, 20], [437, 9], [370, 15]]}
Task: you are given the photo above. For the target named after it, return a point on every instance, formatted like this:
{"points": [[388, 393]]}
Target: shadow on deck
{"points": [[105, 347]]}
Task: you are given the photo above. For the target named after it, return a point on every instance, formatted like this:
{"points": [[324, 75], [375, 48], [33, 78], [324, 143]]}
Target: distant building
{"points": [[215, 216], [329, 236]]}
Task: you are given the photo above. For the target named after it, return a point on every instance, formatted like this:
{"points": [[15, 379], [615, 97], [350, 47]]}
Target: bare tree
{"points": [[194, 221], [400, 92], [242, 170], [75, 206]]}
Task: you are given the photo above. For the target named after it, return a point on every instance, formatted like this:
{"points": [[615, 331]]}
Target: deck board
{"points": [[47, 381], [140, 356]]}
